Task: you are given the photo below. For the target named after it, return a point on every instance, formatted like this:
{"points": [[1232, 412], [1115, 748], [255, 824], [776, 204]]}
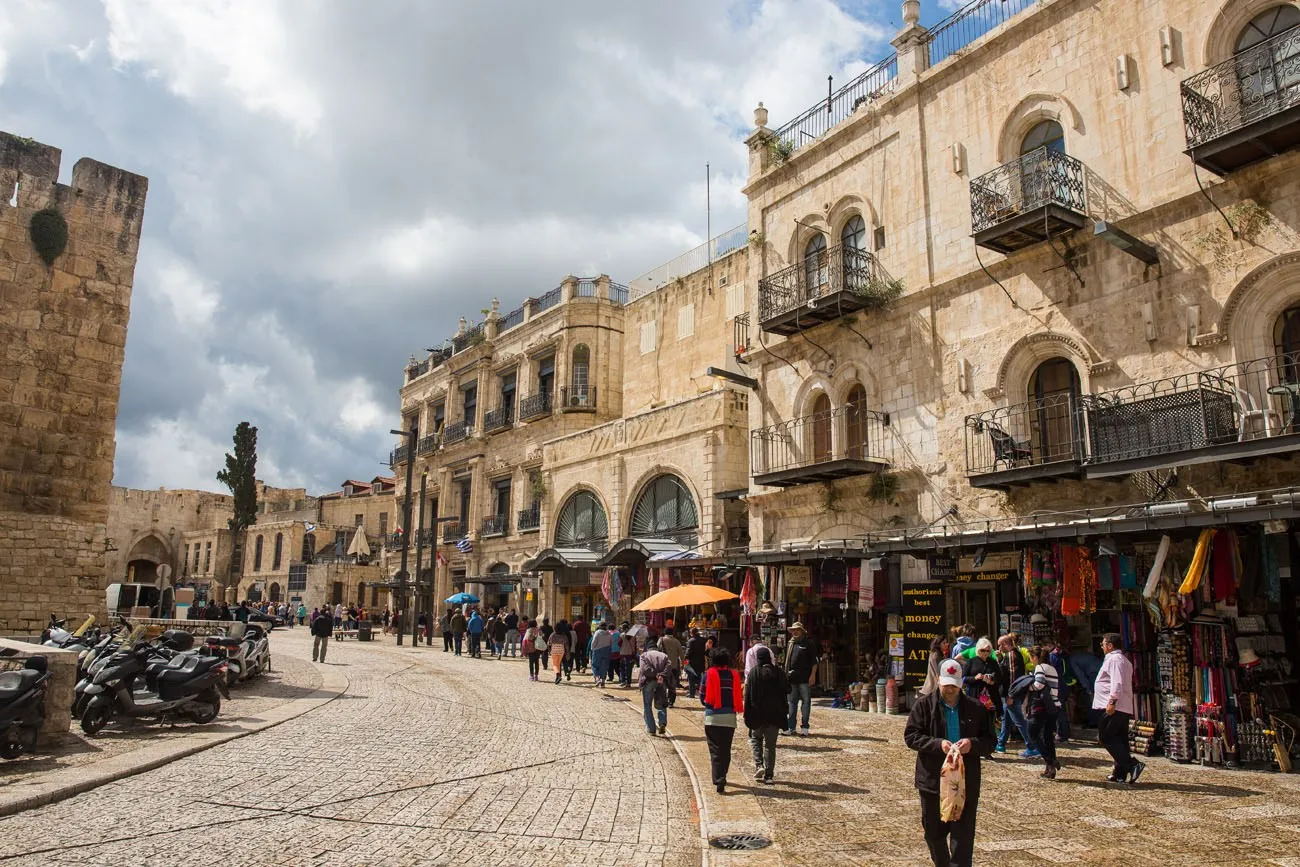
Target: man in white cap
{"points": [[944, 719]]}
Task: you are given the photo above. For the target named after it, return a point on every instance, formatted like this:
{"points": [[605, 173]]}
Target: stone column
{"points": [[568, 289], [757, 142], [492, 323], [602, 287], [911, 45]]}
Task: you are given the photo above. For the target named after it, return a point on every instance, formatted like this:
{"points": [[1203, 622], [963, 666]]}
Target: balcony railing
{"points": [[497, 419], [453, 532], [875, 83], [457, 431], [427, 444], [618, 293], [848, 441], [835, 283], [535, 406], [511, 319], [472, 337], [578, 398], [1028, 200], [496, 525], [530, 518], [417, 370], [550, 299], [969, 23], [1247, 108], [399, 455], [1041, 438], [586, 288], [1242, 411]]}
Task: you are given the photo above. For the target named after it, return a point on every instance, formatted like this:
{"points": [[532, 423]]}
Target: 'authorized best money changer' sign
{"points": [[922, 622]]}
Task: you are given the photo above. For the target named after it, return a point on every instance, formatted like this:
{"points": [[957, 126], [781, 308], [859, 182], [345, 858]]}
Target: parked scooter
{"points": [[187, 685], [22, 706], [55, 635], [234, 650], [257, 651]]}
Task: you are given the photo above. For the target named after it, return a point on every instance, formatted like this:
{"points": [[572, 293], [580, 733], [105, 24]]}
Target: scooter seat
{"points": [[223, 641], [15, 683], [189, 668]]}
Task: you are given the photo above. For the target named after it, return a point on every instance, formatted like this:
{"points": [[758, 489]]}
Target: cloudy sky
{"points": [[333, 183]]}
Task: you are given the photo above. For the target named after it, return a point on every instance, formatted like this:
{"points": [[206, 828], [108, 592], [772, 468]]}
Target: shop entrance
{"points": [[976, 604]]}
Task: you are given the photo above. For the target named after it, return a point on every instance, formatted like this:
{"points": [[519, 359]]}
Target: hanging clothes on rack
{"points": [[1200, 557]]}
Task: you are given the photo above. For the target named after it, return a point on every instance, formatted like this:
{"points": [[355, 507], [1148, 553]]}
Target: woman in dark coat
{"points": [[766, 705]]}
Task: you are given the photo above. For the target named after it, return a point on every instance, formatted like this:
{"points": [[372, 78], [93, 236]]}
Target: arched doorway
{"points": [[143, 560], [495, 593], [1054, 400], [855, 424], [820, 429], [275, 591], [582, 523], [666, 510]]}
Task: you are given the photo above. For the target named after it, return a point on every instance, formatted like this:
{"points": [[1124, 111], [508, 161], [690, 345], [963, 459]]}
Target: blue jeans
{"points": [[1015, 716], [800, 692], [625, 663], [692, 682], [600, 664], [648, 705], [512, 642]]}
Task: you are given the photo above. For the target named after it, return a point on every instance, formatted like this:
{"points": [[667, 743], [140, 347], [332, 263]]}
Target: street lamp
{"points": [[416, 596], [411, 437]]}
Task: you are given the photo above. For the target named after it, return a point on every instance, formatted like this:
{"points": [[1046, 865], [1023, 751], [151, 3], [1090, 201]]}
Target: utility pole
{"points": [[417, 598]]}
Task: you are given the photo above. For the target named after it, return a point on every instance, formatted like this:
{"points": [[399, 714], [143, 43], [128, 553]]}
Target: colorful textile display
{"points": [[1071, 580], [1200, 558], [1157, 567]]}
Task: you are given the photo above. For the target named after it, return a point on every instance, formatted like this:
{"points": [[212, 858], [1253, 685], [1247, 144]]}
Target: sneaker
{"points": [[804, 731], [1138, 768], [1111, 778], [651, 733], [721, 787], [999, 749], [663, 730], [768, 780], [758, 775], [1030, 754], [788, 732]]}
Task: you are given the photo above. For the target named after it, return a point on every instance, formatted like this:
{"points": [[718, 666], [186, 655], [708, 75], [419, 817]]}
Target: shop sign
{"points": [[996, 562], [923, 607], [798, 576], [595, 577], [911, 569], [505, 588], [997, 575], [942, 568]]}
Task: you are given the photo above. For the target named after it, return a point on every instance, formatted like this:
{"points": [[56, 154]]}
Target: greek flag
{"points": [[465, 546]]}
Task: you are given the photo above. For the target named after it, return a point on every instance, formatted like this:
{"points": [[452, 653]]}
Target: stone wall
{"points": [[62, 335], [152, 526]]}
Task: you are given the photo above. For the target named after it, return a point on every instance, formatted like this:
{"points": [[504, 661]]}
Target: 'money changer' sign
{"points": [[922, 622]]}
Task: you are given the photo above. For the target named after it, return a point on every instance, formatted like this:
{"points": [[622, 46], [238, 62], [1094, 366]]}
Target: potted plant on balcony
{"points": [[878, 292]]}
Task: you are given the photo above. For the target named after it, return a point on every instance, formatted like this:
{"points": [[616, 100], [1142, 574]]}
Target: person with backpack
{"points": [[458, 624], [1044, 705], [655, 669], [696, 662], [766, 689], [1059, 659], [534, 646], [1016, 677], [721, 693], [475, 628], [626, 655]]}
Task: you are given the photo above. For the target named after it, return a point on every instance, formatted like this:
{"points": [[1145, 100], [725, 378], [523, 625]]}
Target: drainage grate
{"points": [[745, 842]]}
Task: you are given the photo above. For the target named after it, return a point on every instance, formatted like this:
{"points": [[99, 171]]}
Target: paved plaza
{"points": [[424, 758]]}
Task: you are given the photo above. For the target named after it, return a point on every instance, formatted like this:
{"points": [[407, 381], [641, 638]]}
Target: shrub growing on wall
{"points": [[49, 233]]}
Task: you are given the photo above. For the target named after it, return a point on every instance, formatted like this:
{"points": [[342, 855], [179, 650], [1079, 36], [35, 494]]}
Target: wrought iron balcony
{"points": [[454, 531], [1245, 109], [578, 398], [496, 525], [497, 419], [530, 518], [399, 455], [1012, 445], [840, 281], [510, 320], [417, 370], [535, 406], [457, 431], [472, 337], [1028, 200], [427, 444], [848, 441]]}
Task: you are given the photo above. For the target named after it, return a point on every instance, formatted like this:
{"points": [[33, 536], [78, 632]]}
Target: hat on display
{"points": [[1038, 618], [950, 673], [797, 625], [1247, 657]]}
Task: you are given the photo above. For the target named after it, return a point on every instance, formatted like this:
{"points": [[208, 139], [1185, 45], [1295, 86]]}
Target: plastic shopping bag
{"points": [[952, 786]]}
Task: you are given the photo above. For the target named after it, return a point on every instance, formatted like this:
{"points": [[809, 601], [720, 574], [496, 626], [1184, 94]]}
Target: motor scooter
{"points": [[257, 651], [187, 685], [22, 706]]}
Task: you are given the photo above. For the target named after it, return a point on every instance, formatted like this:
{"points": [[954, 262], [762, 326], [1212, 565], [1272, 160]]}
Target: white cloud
{"points": [[166, 278]]}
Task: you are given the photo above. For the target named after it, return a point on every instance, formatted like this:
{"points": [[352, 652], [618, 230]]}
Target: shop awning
{"points": [[675, 558], [636, 550], [559, 558]]}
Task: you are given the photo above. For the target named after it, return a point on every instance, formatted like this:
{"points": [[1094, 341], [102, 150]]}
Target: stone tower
{"points": [[67, 259]]}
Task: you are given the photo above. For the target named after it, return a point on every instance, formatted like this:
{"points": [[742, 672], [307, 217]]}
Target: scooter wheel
{"points": [[11, 749], [79, 706], [208, 710], [95, 718]]}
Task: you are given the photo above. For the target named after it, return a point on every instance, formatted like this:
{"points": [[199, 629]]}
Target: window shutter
{"points": [[735, 300], [686, 321], [649, 336]]}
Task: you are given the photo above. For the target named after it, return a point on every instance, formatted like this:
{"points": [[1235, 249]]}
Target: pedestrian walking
{"points": [[1113, 696], [512, 633], [982, 677], [801, 669], [722, 695], [940, 721], [1044, 705], [601, 644], [1059, 659], [766, 691], [1014, 667], [499, 630], [581, 634], [751, 656], [547, 632], [655, 669], [560, 645], [458, 629], [673, 649], [965, 640], [302, 613], [939, 648], [534, 645], [626, 655], [321, 629], [696, 661]]}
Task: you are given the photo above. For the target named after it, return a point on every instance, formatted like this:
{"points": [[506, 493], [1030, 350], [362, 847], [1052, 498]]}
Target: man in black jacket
{"points": [[939, 721], [321, 629], [696, 649]]}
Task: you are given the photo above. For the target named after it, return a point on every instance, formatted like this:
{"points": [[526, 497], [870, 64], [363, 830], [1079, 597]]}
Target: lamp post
{"points": [[417, 598], [402, 576]]}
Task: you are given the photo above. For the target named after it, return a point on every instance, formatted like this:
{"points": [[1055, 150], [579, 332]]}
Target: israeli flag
{"points": [[311, 528], [465, 546]]}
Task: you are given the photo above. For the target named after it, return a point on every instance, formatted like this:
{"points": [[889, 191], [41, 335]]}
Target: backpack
{"points": [[1020, 687]]}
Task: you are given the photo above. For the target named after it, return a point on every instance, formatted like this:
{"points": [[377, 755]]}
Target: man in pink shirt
{"points": [[1113, 695]]}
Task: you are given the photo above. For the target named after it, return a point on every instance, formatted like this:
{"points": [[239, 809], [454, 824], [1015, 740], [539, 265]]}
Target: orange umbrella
{"points": [[684, 594]]}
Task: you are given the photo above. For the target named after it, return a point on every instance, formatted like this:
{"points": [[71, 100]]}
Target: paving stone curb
{"points": [[64, 784]]}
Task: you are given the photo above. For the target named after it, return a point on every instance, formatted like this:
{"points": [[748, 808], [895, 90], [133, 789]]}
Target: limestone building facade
{"points": [[67, 261]]}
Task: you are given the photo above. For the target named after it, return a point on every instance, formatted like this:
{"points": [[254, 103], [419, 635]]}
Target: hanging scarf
{"points": [[1200, 557], [1269, 564], [1128, 572], [1071, 580], [1157, 568], [1088, 581], [1224, 567]]}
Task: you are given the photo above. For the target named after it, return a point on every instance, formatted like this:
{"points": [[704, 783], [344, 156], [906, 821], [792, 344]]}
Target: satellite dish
{"points": [[165, 572]]}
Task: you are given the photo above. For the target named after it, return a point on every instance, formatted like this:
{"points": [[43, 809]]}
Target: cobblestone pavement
{"points": [[844, 795], [426, 759], [291, 678]]}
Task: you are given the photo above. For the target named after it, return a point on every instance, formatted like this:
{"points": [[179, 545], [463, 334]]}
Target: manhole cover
{"points": [[739, 842]]}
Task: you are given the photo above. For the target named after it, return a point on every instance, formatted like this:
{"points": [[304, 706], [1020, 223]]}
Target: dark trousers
{"points": [[950, 843], [534, 663], [692, 682], [458, 638], [719, 738], [625, 664], [1113, 731], [447, 644], [671, 682], [1042, 731], [762, 741], [475, 643]]}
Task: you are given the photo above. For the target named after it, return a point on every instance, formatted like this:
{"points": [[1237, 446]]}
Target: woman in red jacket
{"points": [[721, 695]]}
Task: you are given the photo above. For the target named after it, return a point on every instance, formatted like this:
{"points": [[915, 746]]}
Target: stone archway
{"points": [[144, 557], [1256, 302]]}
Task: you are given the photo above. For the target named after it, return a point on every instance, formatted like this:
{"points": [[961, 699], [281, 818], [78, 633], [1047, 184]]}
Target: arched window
{"points": [[582, 522], [855, 424], [1054, 400], [666, 510], [278, 552], [815, 269], [854, 234], [361, 593], [580, 376], [1286, 345], [275, 591], [821, 429], [1264, 72], [1046, 134], [257, 554]]}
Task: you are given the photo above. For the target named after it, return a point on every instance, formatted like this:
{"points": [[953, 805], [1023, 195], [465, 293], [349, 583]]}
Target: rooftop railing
{"points": [[550, 299], [511, 319], [687, 263], [868, 87], [969, 23]]}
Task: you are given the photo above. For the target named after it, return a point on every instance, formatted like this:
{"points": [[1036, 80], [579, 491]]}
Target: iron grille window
{"points": [[297, 577], [582, 522], [666, 509]]}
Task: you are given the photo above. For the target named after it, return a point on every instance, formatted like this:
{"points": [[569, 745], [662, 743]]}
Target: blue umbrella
{"points": [[461, 599]]}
